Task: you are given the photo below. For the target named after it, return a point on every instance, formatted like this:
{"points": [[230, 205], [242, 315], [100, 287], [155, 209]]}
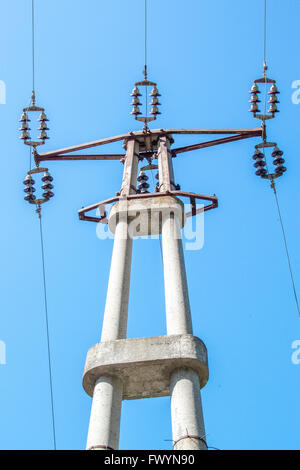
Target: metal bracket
{"points": [[192, 196]]}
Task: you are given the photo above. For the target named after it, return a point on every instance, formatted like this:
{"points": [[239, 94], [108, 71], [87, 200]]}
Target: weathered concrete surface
{"points": [[108, 393], [178, 314], [104, 428], [186, 410], [145, 365], [116, 307], [145, 216]]}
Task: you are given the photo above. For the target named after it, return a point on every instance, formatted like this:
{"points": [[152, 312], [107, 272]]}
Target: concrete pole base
{"points": [[186, 409], [104, 428]]}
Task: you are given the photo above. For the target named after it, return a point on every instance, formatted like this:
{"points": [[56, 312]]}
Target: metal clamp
{"points": [[191, 436]]}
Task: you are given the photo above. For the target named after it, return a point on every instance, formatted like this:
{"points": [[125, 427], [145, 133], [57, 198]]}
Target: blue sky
{"points": [[204, 57]]}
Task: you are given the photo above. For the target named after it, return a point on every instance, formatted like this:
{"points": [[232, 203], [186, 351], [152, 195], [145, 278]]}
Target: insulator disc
{"points": [[258, 155], [29, 189], [254, 89], [143, 185], [28, 180], [280, 169], [29, 197], [47, 186], [48, 194], [277, 153], [261, 172], [47, 177], [259, 163]]}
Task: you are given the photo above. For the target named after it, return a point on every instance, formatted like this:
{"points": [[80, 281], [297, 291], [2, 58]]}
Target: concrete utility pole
{"points": [[180, 348], [175, 365]]}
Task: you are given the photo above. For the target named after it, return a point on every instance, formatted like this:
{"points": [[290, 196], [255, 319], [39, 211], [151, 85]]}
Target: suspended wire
{"points": [[146, 60], [265, 62], [265, 31], [47, 326], [145, 52], [146, 19], [33, 48], [286, 247], [33, 62], [42, 239], [272, 180]]}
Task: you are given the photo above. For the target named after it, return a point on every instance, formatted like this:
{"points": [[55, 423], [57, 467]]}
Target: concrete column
{"points": [[177, 303], [186, 410], [105, 417], [165, 165], [186, 407], [116, 307], [104, 426]]}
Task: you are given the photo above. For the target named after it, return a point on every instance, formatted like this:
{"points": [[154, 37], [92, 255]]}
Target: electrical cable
{"points": [[286, 247], [265, 30], [145, 52], [47, 326], [145, 74], [33, 48], [272, 180], [145, 6], [42, 241]]}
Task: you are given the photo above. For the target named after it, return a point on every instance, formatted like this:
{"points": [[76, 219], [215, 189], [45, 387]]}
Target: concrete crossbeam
{"points": [[145, 365], [146, 216]]}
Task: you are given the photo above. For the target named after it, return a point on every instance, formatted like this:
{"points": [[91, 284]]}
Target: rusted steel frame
{"points": [[117, 156], [103, 216], [134, 135], [193, 205], [195, 211], [190, 436], [96, 143], [257, 131], [43, 157], [211, 143]]}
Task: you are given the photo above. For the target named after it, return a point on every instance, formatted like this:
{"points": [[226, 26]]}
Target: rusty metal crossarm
{"points": [[256, 131], [102, 205], [211, 143], [72, 157], [48, 156]]}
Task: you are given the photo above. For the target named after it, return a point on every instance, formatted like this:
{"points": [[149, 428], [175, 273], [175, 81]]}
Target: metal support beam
{"points": [[192, 197], [256, 132], [211, 143], [70, 157]]}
